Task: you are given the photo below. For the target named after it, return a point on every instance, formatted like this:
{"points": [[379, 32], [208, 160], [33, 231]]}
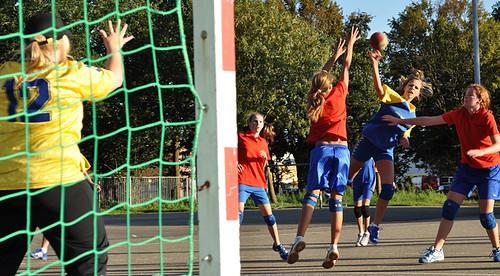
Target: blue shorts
{"points": [[365, 150], [364, 182], [487, 181], [328, 168], [258, 195]]}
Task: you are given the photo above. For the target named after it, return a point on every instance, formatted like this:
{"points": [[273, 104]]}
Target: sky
{"points": [[383, 10]]}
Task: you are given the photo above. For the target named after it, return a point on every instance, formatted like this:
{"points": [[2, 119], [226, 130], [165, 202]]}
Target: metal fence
{"points": [[141, 189]]}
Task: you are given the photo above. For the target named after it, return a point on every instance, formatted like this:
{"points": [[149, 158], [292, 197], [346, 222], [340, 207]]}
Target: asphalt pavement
{"points": [[406, 232]]}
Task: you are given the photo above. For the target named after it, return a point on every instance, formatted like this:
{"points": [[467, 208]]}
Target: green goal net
{"points": [[140, 140]]}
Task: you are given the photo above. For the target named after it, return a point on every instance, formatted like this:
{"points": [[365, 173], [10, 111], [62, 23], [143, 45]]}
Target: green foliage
{"points": [[412, 198], [151, 104], [496, 11], [278, 49], [279, 45], [153, 208], [276, 54], [401, 197], [362, 101]]}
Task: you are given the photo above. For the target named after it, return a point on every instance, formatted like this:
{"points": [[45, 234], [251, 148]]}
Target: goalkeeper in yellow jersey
{"points": [[41, 115]]}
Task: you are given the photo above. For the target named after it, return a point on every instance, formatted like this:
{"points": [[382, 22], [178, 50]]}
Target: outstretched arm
{"points": [[491, 149], [348, 57], [331, 61], [375, 57], [419, 121], [113, 40]]}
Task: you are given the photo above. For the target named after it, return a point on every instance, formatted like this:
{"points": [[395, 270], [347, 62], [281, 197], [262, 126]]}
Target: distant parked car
{"points": [[444, 188], [445, 183]]}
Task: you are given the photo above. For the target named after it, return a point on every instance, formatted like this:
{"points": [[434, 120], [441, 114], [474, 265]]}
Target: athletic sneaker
{"points": [[297, 246], [365, 239], [495, 254], [39, 254], [431, 255], [374, 231], [282, 250], [331, 258], [358, 240]]}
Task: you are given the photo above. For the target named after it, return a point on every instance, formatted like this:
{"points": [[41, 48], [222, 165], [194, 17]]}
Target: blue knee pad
{"points": [[450, 209], [309, 200], [488, 221], [357, 211], [270, 220], [365, 210], [335, 205], [387, 192], [242, 214]]}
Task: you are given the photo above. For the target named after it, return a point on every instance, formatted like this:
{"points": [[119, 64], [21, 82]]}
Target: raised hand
{"points": [[114, 38], [375, 56], [354, 36], [340, 49]]}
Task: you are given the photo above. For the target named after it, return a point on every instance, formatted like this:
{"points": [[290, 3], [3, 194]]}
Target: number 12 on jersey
{"points": [[37, 93]]}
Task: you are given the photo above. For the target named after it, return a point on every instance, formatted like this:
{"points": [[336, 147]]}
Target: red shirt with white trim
{"points": [[249, 148], [474, 132], [331, 124]]}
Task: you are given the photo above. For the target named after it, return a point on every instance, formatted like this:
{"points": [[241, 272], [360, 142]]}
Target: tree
{"points": [[496, 11], [276, 54], [362, 101], [135, 124]]}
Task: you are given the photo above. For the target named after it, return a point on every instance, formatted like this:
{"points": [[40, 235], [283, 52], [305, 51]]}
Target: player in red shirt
{"points": [[329, 159], [253, 154], [479, 166]]}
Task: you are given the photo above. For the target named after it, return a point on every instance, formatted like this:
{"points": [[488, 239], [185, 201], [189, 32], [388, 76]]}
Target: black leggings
{"points": [[46, 210]]}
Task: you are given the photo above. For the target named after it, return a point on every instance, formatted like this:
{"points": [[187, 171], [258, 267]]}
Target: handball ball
{"points": [[379, 41]]}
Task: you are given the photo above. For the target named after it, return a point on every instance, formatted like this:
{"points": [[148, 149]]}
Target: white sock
{"points": [[332, 247], [44, 250], [297, 238]]}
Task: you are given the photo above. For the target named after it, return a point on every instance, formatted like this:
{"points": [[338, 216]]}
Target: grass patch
{"points": [[154, 208], [400, 198], [294, 200]]}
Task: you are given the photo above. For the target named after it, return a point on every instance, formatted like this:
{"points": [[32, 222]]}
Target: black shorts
{"points": [[45, 210]]}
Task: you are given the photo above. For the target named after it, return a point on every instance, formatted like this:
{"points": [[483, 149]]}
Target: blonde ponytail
{"points": [[40, 54], [321, 83]]}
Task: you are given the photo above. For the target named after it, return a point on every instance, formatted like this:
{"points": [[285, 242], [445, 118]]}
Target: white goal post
{"points": [[217, 181]]}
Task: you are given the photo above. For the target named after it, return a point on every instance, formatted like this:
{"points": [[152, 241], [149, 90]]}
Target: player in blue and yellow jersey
{"points": [[380, 139], [41, 115]]}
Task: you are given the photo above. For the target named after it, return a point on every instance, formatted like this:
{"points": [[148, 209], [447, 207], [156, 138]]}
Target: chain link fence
{"points": [[144, 188]]}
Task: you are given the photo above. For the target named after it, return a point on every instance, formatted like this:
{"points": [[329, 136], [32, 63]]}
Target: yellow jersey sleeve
{"points": [[391, 96], [94, 83], [84, 164], [408, 132]]}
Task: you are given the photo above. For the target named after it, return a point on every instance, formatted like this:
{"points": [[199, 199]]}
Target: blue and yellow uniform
{"points": [[379, 138], [40, 143]]}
